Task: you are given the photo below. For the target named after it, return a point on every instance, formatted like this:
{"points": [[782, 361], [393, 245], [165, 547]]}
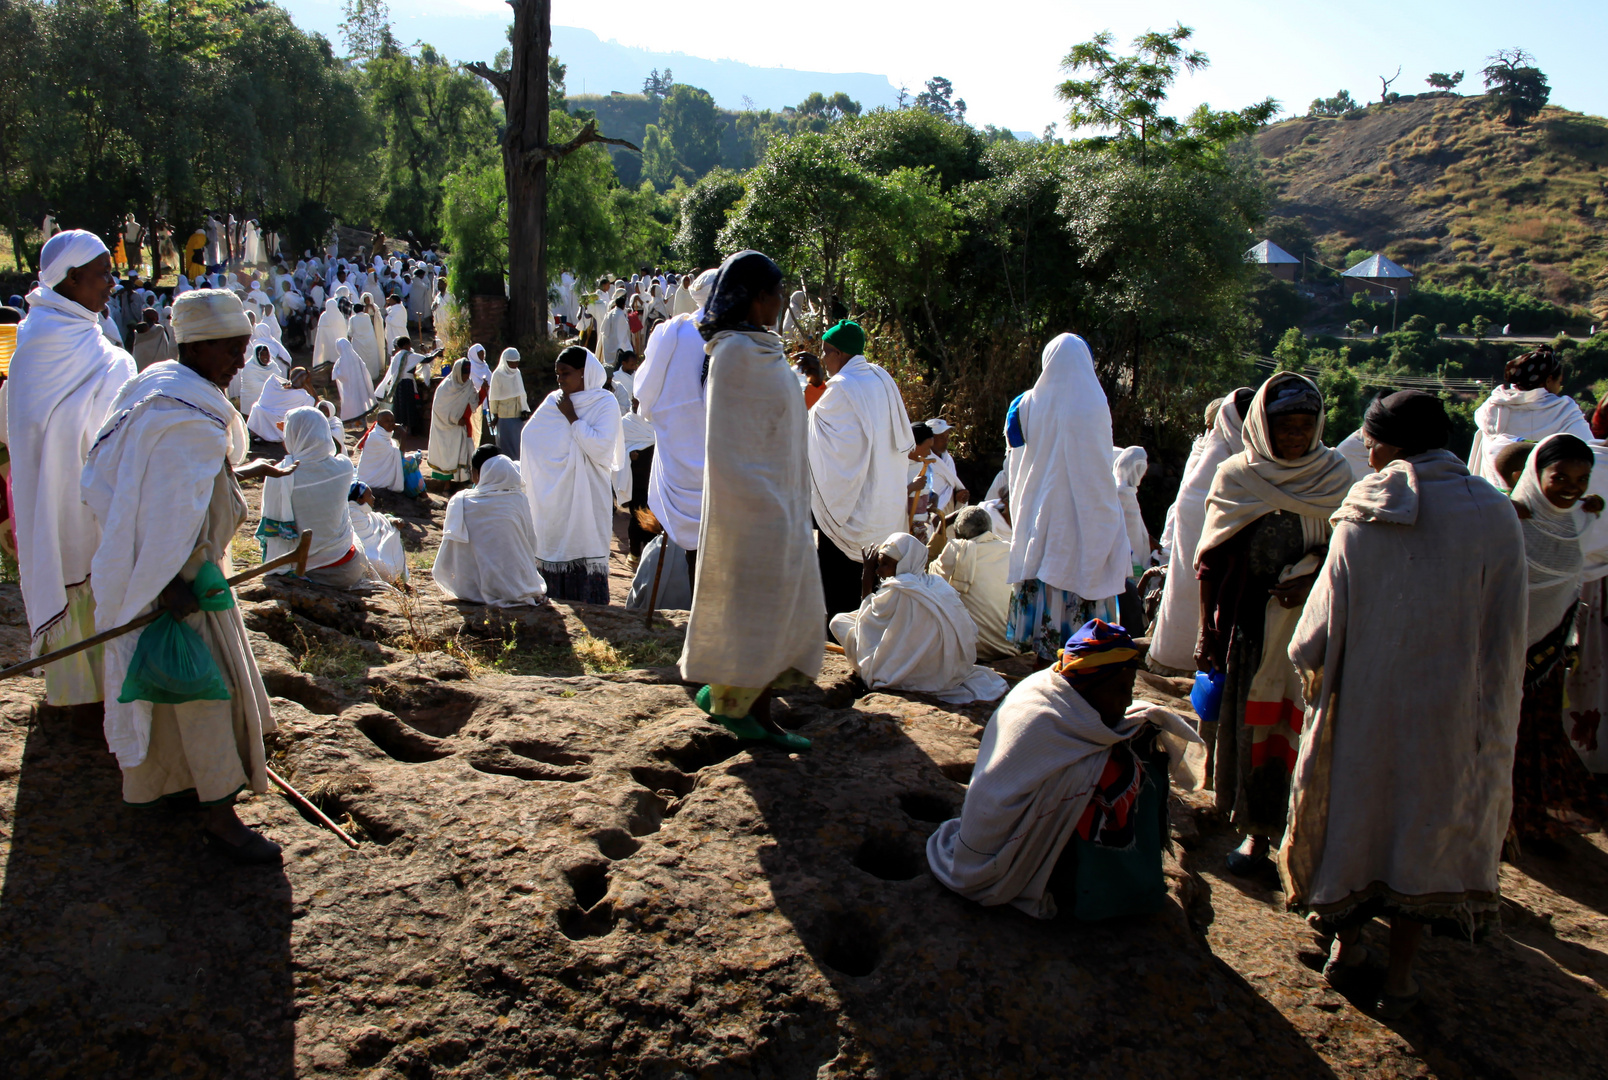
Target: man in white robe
{"points": [[488, 544], [379, 455], [64, 376], [977, 563], [670, 396], [162, 482], [859, 444], [946, 484], [912, 632]]}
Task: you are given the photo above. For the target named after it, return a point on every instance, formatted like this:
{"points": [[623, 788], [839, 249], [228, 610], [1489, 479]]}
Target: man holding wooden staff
{"points": [[161, 479]]}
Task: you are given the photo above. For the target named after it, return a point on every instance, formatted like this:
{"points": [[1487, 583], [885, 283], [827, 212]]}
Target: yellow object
{"points": [[192, 254], [8, 345]]}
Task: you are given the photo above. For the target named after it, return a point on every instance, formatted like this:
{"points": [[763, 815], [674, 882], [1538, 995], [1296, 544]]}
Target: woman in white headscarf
{"points": [[351, 377], [505, 395], [913, 631], [1177, 626], [479, 370], [313, 498], [670, 390], [364, 331], [568, 453], [452, 443], [1129, 470], [377, 535], [1262, 543], [331, 328], [1554, 512], [1069, 549], [488, 548]]}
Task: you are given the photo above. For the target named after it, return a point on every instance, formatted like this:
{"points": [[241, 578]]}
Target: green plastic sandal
{"points": [[743, 727]]}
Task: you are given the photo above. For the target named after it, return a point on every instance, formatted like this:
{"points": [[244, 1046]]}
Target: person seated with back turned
{"points": [[1070, 758], [912, 632], [977, 564], [488, 544]]}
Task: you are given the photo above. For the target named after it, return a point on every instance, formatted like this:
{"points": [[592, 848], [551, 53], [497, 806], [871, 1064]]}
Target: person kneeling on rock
{"points": [[1071, 783]]}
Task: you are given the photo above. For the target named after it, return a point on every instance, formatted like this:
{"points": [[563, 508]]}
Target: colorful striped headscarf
{"points": [[1094, 650]]}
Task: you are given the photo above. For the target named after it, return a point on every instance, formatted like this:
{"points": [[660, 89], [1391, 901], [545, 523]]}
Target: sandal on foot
{"points": [[788, 740], [1336, 973], [1396, 1006], [258, 851], [746, 727], [1243, 865]]}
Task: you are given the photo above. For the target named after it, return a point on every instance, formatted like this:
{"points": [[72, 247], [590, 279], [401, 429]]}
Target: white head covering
{"points": [[1551, 548], [937, 426], [1069, 530], [64, 251], [488, 546], [209, 314], [507, 382]]}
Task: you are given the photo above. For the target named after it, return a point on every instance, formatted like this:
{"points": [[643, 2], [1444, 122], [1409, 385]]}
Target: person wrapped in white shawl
{"points": [[378, 535], [161, 479], [275, 401], [379, 455], [1043, 755], [488, 548], [670, 397], [64, 376], [1527, 407], [1129, 470], [331, 328], [976, 563], [452, 425], [352, 379], [313, 498], [568, 453], [913, 632]]}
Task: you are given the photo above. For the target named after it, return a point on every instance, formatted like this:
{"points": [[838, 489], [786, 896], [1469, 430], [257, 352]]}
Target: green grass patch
{"points": [[581, 656]]}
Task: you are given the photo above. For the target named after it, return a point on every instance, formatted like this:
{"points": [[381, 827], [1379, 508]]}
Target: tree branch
{"points": [[588, 134], [498, 79]]}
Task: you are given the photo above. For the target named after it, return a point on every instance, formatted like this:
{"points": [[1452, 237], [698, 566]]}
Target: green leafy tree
{"points": [[1339, 105], [689, 121], [366, 29], [1126, 93], [703, 213], [657, 85], [659, 165], [1440, 80], [1515, 89], [939, 99], [1479, 324]]}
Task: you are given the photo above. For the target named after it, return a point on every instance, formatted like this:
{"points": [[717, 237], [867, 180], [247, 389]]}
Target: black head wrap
{"points": [[1411, 419], [1563, 448], [1533, 369], [1291, 397], [743, 278]]}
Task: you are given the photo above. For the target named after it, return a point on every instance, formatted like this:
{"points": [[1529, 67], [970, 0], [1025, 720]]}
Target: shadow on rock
{"points": [[129, 951]]}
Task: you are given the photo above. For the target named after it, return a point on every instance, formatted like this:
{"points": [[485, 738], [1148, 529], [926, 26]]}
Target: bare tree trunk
{"points": [[525, 168]]}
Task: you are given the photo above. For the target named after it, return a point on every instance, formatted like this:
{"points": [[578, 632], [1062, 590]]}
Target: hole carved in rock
{"points": [[851, 945], [890, 858], [925, 806], [400, 741]]}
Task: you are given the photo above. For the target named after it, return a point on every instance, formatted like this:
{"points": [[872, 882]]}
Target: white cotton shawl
{"points": [[670, 396], [1129, 470], [479, 370], [1551, 550], [396, 324], [757, 608], [451, 448], [379, 461], [331, 328], [1068, 525], [1511, 415], [64, 376], [508, 382], [976, 569], [351, 377], [380, 542], [860, 440], [1355, 451], [314, 496], [1406, 756], [614, 334], [1041, 756], [337, 430], [488, 549], [1594, 541], [1172, 639], [1255, 482], [275, 403], [246, 387], [914, 633], [261, 335], [364, 335], [149, 481], [567, 469]]}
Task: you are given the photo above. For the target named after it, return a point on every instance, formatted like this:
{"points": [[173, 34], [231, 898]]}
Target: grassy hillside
{"points": [[1453, 195]]}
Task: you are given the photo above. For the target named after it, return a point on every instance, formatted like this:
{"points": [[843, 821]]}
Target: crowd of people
{"points": [[793, 506]]}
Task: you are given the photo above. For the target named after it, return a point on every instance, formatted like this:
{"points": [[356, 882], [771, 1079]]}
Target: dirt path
{"points": [[567, 872]]}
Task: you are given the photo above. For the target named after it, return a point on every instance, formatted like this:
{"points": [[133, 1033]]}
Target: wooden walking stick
{"points": [[658, 569], [298, 557], [307, 804]]}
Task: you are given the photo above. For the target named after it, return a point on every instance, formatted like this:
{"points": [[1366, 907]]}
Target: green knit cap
{"points": [[847, 337]]}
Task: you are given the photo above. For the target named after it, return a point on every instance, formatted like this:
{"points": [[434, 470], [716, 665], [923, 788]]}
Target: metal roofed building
{"points": [[1274, 259], [1377, 276]]}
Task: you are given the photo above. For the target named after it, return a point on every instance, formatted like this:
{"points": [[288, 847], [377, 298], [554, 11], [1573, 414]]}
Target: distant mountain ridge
{"points": [[1454, 196], [595, 66]]}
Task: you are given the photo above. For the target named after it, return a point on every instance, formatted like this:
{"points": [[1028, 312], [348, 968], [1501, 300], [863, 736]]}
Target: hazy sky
{"points": [[1004, 59]]}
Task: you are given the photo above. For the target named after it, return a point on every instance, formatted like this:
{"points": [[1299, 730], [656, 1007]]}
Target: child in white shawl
{"points": [[379, 456], [569, 451], [913, 632], [1129, 470], [378, 535], [488, 549]]}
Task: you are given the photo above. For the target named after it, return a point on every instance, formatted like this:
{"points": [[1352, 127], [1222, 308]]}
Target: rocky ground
{"points": [[566, 871]]}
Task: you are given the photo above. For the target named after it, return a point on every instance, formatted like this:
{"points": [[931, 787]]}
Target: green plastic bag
{"points": [[172, 665], [211, 588]]}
